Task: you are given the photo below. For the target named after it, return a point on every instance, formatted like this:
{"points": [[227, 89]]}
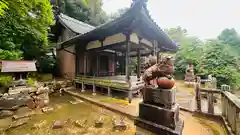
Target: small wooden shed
{"points": [[17, 68]]}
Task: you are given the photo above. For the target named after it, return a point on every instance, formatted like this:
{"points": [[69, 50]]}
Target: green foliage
{"points": [[44, 77], [117, 14], [46, 64], [219, 57], [88, 11], [3, 7], [31, 81], [5, 80], [24, 29]]}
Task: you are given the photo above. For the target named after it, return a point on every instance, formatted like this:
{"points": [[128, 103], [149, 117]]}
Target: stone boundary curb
{"points": [[101, 104], [132, 116]]}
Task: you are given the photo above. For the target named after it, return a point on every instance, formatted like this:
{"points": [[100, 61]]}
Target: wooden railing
{"points": [[228, 103]]}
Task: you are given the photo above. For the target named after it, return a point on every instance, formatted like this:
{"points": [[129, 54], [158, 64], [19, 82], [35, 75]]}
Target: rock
{"points": [[39, 125], [23, 113], [31, 104], [69, 83], [45, 98], [19, 122], [5, 95], [5, 123], [42, 90], [99, 123], [59, 124], [1, 94], [80, 123], [12, 102], [120, 126], [77, 101], [32, 90], [47, 109], [57, 86], [5, 113]]}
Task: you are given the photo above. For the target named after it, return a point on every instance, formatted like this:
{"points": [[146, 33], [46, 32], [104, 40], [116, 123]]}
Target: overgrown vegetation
{"points": [[219, 57]]}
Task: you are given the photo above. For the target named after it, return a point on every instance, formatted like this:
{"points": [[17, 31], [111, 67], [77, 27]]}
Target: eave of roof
{"points": [[136, 9]]}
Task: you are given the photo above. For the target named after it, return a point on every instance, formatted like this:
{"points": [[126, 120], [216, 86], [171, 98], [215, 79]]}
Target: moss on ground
{"points": [[215, 127]]}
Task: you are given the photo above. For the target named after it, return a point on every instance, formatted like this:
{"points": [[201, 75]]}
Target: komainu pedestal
{"points": [[159, 113]]}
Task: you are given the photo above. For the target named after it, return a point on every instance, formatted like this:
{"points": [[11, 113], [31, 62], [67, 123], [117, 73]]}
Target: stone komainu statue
{"points": [[151, 60], [165, 68]]}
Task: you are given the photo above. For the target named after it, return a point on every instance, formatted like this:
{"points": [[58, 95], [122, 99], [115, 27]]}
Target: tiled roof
{"points": [[75, 25], [136, 13], [17, 66]]}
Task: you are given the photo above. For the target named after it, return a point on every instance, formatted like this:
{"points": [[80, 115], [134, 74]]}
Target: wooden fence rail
{"points": [[229, 104]]}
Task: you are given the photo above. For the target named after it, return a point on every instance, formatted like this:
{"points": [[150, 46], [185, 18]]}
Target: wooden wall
{"points": [[65, 59]]}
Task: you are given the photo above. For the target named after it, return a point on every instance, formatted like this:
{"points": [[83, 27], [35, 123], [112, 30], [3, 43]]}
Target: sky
{"points": [[202, 18]]}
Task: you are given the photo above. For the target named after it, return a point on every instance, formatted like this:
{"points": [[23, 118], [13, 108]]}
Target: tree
{"points": [[189, 52], [88, 11], [230, 36], [24, 29], [3, 6], [219, 61], [118, 13]]}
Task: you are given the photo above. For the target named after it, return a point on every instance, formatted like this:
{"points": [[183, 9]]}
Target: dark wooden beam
{"points": [[69, 51], [98, 64], [127, 73], [85, 63], [138, 64]]}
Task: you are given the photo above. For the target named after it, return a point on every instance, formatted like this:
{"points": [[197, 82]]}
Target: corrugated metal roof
{"points": [[18, 66], [75, 25]]}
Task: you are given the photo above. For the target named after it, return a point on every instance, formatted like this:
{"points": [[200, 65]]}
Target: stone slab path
{"points": [[193, 125]]}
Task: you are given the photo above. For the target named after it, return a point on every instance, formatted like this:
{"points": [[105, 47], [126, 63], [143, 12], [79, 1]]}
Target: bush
{"points": [[5, 80], [31, 81], [44, 77]]}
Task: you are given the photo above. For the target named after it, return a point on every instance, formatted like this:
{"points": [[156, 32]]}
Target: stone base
{"points": [[160, 97], [159, 115], [158, 129]]}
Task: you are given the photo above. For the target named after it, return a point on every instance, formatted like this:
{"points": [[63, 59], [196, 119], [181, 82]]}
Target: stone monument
{"points": [[159, 113], [189, 74]]}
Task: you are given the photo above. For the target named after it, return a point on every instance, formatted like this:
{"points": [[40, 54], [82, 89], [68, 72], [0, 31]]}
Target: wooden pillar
{"points": [[127, 58], [127, 71], [98, 64], [198, 96], [210, 103], [115, 63], [123, 63], [85, 64], [157, 52], [154, 47], [138, 64], [109, 91], [94, 87]]}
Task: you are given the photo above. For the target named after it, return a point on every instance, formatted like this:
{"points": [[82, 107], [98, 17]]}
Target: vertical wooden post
{"points": [[154, 47], [210, 103], [127, 67], [85, 64], [127, 59], [98, 63], [138, 64], [115, 63], [198, 96], [109, 91], [94, 86], [157, 52], [83, 86]]}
